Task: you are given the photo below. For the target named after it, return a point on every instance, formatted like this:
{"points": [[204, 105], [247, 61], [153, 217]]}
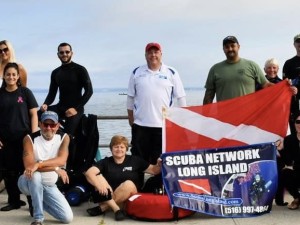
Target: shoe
{"points": [[10, 207], [36, 223], [119, 215], [96, 211], [22, 203], [281, 203], [294, 204]]}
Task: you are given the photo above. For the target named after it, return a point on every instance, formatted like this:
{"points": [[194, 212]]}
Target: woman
{"points": [[116, 178], [7, 55], [18, 117], [289, 150]]}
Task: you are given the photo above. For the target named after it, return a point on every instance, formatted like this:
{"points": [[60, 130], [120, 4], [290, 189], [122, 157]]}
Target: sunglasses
{"points": [[51, 125], [4, 50], [64, 52], [297, 122]]}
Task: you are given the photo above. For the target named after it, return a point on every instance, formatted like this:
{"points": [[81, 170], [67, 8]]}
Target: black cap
{"points": [[231, 39]]}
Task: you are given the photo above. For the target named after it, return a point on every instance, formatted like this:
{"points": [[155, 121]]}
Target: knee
{"points": [[68, 218], [128, 186]]}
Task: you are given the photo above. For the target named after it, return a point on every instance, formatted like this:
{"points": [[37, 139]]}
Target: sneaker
{"points": [[294, 204], [96, 211], [119, 215], [36, 223]]}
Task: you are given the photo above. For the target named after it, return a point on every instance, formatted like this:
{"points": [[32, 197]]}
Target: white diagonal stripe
{"points": [[206, 126], [195, 186]]}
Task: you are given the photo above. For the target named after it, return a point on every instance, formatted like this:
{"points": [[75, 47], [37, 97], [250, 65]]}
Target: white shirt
{"points": [[151, 91], [47, 149]]}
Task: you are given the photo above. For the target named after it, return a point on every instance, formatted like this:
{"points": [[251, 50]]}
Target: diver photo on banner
{"points": [[227, 182]]}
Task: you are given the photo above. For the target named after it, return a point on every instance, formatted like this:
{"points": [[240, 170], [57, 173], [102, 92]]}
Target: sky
{"points": [[109, 36]]}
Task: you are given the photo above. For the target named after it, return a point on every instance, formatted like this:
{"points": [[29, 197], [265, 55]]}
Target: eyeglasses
{"points": [[64, 52], [4, 50], [297, 122], [51, 125]]}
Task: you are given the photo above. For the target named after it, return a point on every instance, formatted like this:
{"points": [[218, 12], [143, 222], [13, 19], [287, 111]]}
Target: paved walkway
{"points": [[278, 216]]}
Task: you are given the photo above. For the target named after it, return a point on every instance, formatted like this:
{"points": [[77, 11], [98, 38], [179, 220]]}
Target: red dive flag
{"points": [[251, 119]]}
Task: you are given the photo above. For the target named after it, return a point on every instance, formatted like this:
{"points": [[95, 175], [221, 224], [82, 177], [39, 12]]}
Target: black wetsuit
{"points": [[291, 70], [69, 79]]}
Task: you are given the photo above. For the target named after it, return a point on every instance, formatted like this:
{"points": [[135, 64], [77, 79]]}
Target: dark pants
{"points": [[279, 197], [147, 142], [11, 168], [291, 181], [70, 124]]}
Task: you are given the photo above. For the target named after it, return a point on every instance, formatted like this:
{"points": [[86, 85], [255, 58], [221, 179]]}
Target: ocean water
{"points": [[112, 102]]}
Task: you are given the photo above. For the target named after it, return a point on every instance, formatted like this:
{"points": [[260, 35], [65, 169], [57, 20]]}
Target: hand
{"points": [[71, 112], [279, 144], [28, 172], [1, 145], [44, 108], [63, 175]]}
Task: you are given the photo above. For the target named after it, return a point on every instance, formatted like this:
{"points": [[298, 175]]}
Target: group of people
{"points": [[34, 150]]}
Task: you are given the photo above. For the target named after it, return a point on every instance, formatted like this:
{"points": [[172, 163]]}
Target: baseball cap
{"points": [[230, 39], [49, 115], [152, 44], [297, 38]]}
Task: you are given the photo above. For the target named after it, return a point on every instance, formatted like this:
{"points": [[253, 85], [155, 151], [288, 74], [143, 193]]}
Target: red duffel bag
{"points": [[152, 207]]}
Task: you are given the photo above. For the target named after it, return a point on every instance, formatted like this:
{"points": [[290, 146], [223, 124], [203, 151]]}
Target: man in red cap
{"points": [[151, 87]]}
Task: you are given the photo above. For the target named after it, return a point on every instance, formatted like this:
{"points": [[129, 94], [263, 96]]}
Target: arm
{"points": [[130, 105], [88, 88], [96, 179], [52, 92], [33, 119], [23, 75], [208, 96], [267, 84], [181, 102], [154, 169]]}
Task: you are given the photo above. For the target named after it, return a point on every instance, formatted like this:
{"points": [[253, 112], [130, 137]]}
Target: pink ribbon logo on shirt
{"points": [[20, 99]]}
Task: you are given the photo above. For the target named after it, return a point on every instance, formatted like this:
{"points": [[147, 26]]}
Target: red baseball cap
{"points": [[151, 45]]}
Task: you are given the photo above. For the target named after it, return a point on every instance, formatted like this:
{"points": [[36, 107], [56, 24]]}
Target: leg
{"points": [[57, 205], [34, 188], [13, 192], [72, 123]]}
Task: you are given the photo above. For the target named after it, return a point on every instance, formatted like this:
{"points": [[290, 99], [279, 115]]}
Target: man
{"points": [[151, 87], [70, 79], [45, 153], [234, 76], [291, 70]]}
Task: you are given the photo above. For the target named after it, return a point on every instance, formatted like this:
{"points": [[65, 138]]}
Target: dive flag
{"points": [[254, 118]]}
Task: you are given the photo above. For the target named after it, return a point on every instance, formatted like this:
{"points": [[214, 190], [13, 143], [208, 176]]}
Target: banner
{"points": [[255, 118], [227, 182]]}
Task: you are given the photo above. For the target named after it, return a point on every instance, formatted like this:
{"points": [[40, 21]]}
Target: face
{"points": [[231, 50], [4, 52], [118, 150], [153, 56], [11, 77], [65, 54], [297, 47], [48, 129], [297, 124], [271, 70]]}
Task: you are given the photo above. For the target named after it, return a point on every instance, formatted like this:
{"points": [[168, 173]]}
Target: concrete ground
{"points": [[278, 216]]}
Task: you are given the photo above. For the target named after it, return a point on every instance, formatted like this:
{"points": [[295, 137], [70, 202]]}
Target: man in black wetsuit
{"points": [[291, 70], [69, 78]]}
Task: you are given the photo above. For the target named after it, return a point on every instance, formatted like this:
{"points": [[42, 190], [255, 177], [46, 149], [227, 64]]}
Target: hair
{"points": [[11, 65], [118, 139], [271, 61], [10, 49], [64, 44]]}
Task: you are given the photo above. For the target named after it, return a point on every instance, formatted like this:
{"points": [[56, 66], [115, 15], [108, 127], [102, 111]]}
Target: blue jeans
{"points": [[47, 198]]}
